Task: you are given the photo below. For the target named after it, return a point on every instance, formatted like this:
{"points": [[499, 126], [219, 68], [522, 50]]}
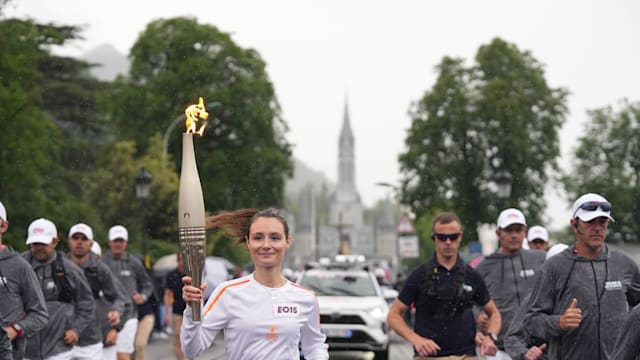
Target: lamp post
{"points": [[165, 139], [143, 191], [503, 181]]}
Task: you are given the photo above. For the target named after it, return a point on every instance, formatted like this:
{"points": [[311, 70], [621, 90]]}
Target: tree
{"points": [[34, 181], [499, 114], [607, 162], [111, 188], [243, 157]]}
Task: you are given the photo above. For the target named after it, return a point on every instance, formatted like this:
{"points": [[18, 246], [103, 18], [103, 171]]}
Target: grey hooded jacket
{"points": [[63, 316], [6, 353], [604, 288], [21, 294], [510, 278], [105, 304], [133, 276], [103, 285], [517, 340], [628, 344]]}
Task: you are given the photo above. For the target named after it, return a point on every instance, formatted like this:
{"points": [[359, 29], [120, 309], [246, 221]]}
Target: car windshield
{"points": [[339, 283]]}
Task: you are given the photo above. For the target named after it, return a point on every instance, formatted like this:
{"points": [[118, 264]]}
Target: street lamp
{"points": [[165, 139], [143, 191], [503, 181]]}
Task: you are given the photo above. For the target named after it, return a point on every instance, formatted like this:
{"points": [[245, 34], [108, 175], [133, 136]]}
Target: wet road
{"points": [[162, 349]]}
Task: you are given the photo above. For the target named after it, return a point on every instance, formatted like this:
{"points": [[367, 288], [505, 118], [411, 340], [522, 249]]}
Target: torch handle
{"points": [[192, 246]]}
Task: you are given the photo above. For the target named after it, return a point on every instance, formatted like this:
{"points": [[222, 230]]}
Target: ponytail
{"points": [[236, 224]]}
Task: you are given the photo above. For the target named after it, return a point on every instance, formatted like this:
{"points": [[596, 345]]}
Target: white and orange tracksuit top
{"points": [[258, 322]]}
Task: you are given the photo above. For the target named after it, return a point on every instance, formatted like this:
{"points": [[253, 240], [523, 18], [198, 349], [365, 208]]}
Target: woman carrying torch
{"points": [[263, 315]]}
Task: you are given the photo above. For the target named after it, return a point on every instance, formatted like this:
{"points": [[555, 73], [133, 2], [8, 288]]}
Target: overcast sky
{"points": [[381, 55]]}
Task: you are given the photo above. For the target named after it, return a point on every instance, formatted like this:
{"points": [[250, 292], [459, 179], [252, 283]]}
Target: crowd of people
{"points": [[573, 302], [526, 300], [77, 305]]}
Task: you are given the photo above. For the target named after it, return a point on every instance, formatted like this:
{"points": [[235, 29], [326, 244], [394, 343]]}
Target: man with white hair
{"points": [[584, 293], [22, 308]]}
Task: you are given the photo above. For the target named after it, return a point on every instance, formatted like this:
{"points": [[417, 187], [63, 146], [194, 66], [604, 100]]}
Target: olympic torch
{"points": [[191, 216]]}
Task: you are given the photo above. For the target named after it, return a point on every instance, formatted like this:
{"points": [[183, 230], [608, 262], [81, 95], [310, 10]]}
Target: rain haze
{"points": [[380, 57]]}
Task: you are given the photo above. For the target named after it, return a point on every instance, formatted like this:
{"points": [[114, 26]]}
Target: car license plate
{"points": [[342, 333]]}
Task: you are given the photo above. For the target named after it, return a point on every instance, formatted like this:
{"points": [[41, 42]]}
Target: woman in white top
{"points": [[263, 315]]}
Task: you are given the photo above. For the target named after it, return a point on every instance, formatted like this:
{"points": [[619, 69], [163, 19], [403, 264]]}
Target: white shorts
{"points": [[67, 355], [126, 337], [89, 352], [109, 353]]}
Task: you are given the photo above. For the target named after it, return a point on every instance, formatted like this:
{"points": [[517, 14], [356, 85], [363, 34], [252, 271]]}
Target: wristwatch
{"points": [[493, 337], [17, 328]]}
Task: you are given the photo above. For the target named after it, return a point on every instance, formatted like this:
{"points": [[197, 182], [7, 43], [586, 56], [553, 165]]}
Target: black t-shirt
{"points": [[453, 333], [174, 283]]}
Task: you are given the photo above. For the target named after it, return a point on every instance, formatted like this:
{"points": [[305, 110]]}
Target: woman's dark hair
{"points": [[236, 224]]}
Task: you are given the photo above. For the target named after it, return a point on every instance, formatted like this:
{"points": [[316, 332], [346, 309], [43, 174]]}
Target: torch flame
{"points": [[195, 112]]}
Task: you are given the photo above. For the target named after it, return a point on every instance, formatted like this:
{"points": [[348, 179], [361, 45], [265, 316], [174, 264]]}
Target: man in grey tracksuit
{"points": [[66, 292], [583, 294], [628, 344], [517, 341], [103, 286], [22, 304], [510, 272], [104, 305], [136, 281]]}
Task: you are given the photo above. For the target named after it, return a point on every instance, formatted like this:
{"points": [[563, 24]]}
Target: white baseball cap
{"points": [[41, 231], [83, 229], [511, 216], [3, 212], [598, 206], [118, 232], [538, 232], [95, 248], [555, 250]]}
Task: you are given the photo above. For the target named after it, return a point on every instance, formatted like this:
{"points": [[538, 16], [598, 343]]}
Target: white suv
{"points": [[353, 311]]}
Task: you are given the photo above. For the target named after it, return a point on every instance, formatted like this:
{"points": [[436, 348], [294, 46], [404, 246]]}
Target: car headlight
{"points": [[378, 313]]}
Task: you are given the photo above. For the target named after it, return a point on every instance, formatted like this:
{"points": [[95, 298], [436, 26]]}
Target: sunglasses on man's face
{"points": [[594, 205], [445, 237]]}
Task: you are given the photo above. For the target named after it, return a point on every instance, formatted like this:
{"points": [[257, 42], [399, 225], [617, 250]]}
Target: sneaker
{"points": [[159, 335]]}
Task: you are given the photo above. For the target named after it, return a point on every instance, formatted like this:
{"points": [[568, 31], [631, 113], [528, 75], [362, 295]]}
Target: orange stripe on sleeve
{"points": [[301, 287], [215, 300]]}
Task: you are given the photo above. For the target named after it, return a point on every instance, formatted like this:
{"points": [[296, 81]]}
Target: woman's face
{"points": [[267, 242]]}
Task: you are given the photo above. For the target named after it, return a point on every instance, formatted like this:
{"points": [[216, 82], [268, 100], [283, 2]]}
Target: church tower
{"points": [[346, 161], [346, 210]]}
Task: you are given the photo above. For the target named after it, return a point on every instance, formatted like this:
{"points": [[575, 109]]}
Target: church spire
{"points": [[346, 156]]}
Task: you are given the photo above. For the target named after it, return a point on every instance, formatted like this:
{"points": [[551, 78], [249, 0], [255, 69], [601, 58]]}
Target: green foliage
{"points": [[111, 188], [498, 114], [243, 157], [607, 162], [35, 178]]}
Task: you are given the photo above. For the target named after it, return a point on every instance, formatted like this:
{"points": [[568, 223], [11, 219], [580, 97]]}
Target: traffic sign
{"points": [[405, 226]]}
